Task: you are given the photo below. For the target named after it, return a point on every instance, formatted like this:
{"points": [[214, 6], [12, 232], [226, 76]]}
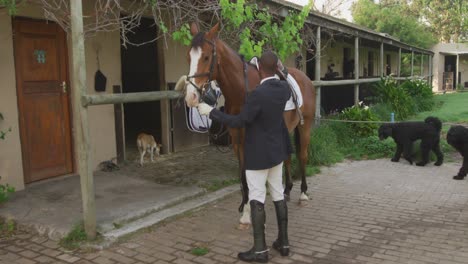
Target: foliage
{"points": [[393, 19], [369, 148], [200, 251], [10, 5], [382, 110], [360, 113], [421, 93], [388, 91], [73, 239], [5, 192], [324, 146], [7, 227], [268, 31], [448, 19], [183, 35]]}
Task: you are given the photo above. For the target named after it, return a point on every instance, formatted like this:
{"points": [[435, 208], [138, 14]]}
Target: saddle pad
{"points": [[296, 91]]}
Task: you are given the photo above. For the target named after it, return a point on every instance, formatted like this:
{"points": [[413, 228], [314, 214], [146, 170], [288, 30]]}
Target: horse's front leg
{"points": [[288, 181]]}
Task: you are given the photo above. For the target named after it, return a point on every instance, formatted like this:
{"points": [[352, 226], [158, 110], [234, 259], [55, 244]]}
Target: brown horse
{"points": [[211, 59]]}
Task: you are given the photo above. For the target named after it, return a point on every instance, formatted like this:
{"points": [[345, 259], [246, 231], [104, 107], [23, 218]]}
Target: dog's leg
{"points": [[398, 152], [463, 170], [425, 149], [407, 151], [152, 151], [142, 154], [440, 156]]}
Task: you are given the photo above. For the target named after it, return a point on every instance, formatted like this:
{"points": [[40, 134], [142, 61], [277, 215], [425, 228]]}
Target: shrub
{"points": [[421, 93], [5, 191], [360, 113], [324, 147], [382, 111], [387, 91]]}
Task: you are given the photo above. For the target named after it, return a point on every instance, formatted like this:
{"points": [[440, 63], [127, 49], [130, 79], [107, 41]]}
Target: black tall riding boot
{"points": [[259, 252], [282, 243]]}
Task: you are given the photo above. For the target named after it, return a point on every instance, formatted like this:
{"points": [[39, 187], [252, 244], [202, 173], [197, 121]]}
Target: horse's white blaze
{"points": [[191, 97]]}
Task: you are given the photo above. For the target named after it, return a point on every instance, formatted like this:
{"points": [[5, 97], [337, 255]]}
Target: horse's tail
{"points": [[297, 140]]}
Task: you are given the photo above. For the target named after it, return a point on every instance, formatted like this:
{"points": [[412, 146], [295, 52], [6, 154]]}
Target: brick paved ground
{"points": [[361, 212]]}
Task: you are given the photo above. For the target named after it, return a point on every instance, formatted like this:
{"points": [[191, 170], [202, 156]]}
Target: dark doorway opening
{"points": [[450, 66], [140, 73], [310, 63]]}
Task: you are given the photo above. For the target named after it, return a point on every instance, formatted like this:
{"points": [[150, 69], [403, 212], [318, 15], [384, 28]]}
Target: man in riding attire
{"points": [[266, 146]]}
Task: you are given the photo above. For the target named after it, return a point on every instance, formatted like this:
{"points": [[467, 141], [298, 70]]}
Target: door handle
{"points": [[64, 86]]}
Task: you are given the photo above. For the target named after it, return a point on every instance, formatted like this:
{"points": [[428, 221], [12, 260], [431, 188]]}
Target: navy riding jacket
{"points": [[267, 142]]}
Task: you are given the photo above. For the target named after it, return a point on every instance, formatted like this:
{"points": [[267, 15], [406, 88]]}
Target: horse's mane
{"points": [[198, 40]]}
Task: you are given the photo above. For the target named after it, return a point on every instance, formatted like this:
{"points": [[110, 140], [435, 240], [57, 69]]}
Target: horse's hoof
{"points": [[303, 203], [304, 197], [243, 226]]}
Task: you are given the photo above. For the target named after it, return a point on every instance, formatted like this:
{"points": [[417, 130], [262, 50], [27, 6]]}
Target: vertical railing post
{"points": [[422, 64], [381, 60], [356, 70], [457, 69], [412, 63], [80, 119], [399, 63], [317, 76]]}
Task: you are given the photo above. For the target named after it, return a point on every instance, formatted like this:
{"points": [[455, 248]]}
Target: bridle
{"points": [[207, 93]]}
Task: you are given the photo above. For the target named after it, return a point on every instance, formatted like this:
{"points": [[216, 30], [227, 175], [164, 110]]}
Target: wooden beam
{"points": [[422, 64], [457, 68], [317, 76], [412, 63], [399, 63], [430, 72], [356, 70], [381, 60], [119, 127], [80, 119], [99, 99]]}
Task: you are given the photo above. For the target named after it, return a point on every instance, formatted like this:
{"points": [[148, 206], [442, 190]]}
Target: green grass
{"points": [[199, 251], [450, 108], [74, 238]]}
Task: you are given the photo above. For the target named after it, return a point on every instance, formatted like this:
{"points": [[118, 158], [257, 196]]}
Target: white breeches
{"points": [[257, 179]]}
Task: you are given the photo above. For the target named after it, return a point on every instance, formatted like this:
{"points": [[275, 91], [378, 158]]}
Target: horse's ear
{"points": [[213, 33], [194, 29]]}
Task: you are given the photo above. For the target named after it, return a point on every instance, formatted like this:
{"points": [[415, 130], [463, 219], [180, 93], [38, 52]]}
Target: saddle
{"points": [[282, 72]]}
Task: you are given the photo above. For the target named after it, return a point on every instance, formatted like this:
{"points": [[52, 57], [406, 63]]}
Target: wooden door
{"points": [[43, 102]]}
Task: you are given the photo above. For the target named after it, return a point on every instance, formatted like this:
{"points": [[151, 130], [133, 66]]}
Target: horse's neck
{"points": [[231, 78]]}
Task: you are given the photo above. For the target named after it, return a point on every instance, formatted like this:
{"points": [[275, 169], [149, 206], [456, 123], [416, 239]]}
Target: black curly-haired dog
{"points": [[457, 137], [405, 133]]}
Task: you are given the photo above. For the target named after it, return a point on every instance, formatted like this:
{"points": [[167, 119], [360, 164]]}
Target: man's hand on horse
{"points": [[204, 109]]}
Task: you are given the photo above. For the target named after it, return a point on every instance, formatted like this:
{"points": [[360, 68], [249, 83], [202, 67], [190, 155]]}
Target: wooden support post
{"points": [[412, 63], [356, 70], [399, 63], [119, 127], [317, 76], [430, 71], [80, 119], [422, 64], [381, 60], [457, 69]]}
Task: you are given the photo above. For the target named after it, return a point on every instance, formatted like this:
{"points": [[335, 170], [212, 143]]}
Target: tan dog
{"points": [[146, 143]]}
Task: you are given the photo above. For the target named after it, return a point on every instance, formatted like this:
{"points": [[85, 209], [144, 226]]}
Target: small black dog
{"points": [[405, 133], [457, 137]]}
